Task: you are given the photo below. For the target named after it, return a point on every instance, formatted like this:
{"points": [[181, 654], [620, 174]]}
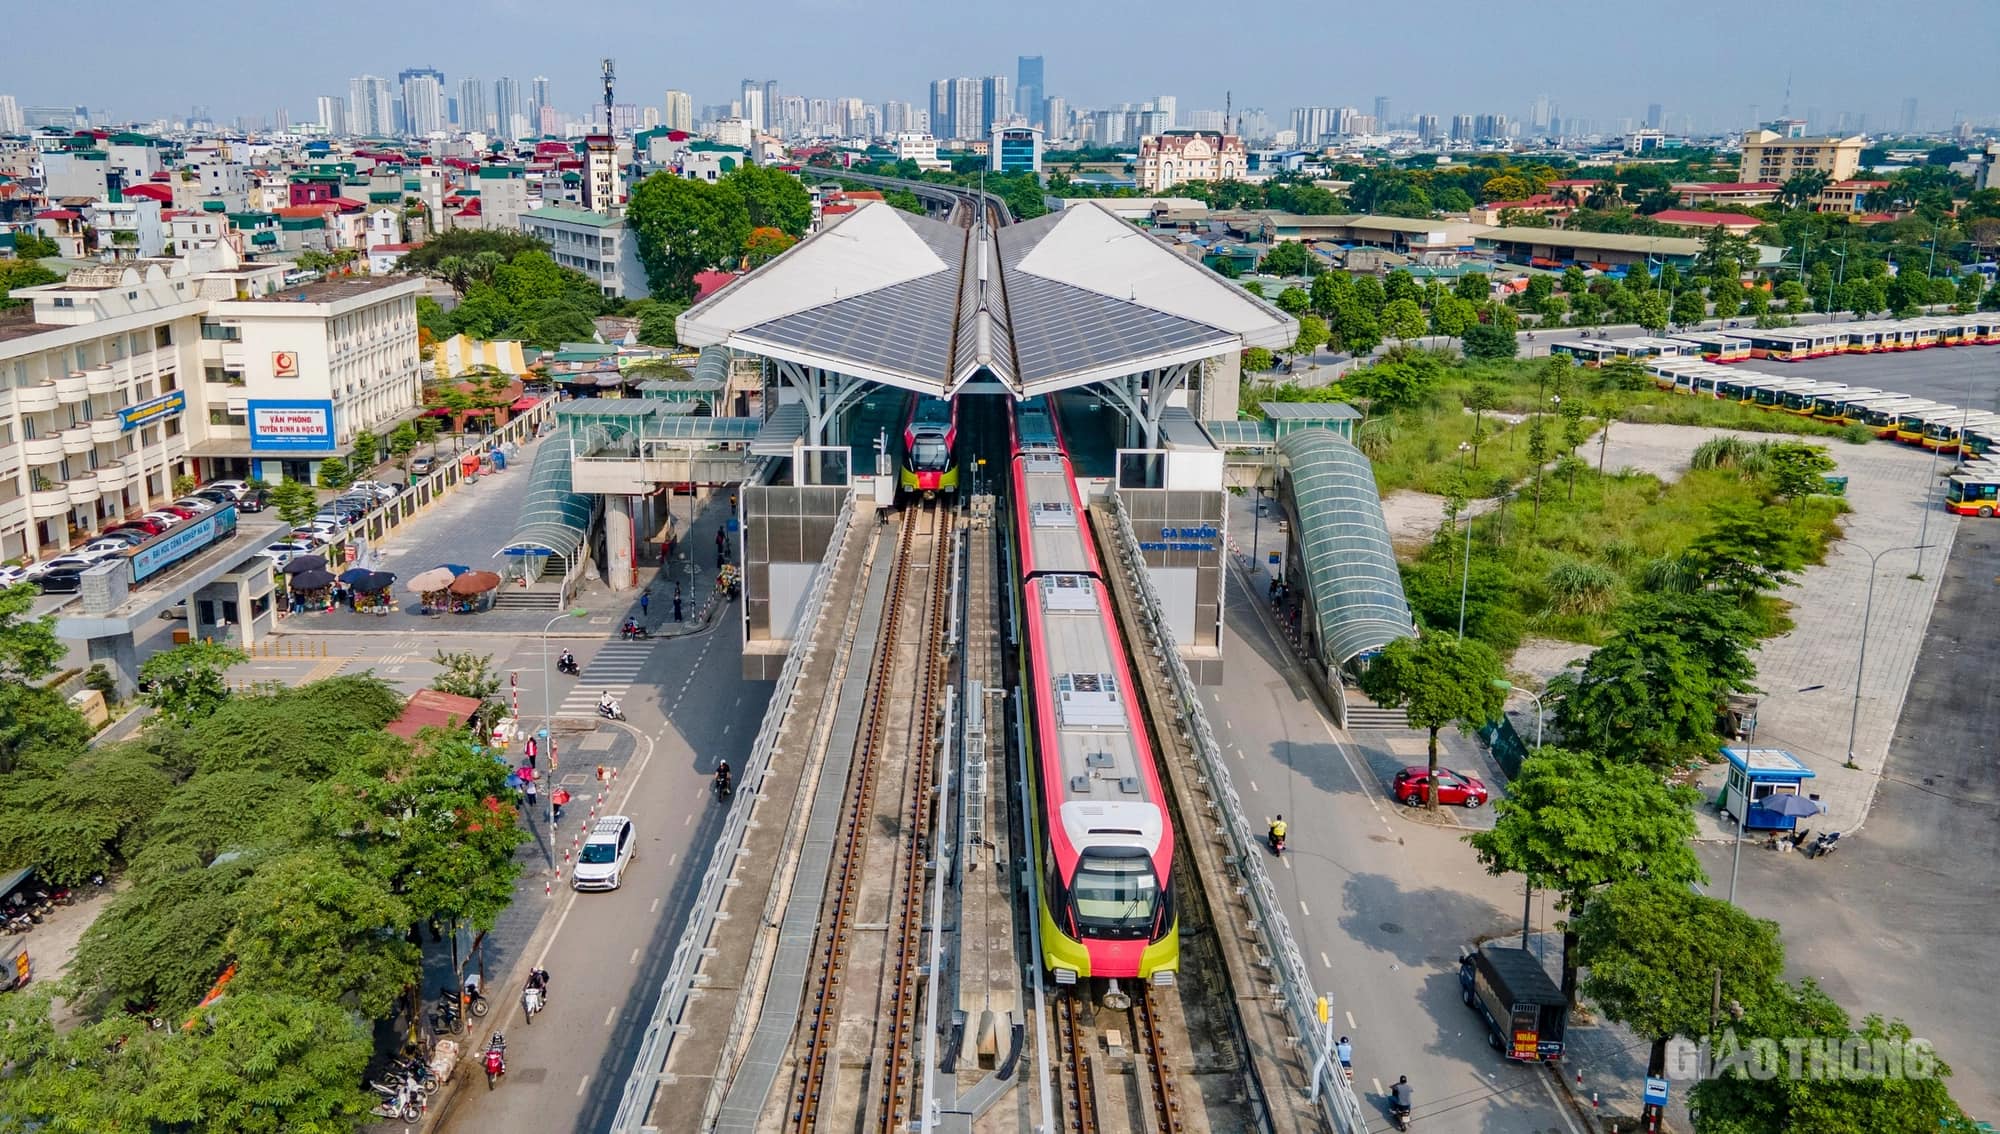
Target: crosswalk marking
{"points": [[613, 670]]}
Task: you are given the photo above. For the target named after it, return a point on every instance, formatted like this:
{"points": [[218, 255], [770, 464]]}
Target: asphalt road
{"points": [[608, 952], [1968, 377], [1380, 903], [1901, 920]]}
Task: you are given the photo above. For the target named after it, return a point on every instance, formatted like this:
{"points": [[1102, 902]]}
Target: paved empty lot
{"points": [[1958, 376]]}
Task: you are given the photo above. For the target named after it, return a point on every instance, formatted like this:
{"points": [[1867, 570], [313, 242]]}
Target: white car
{"points": [[61, 562], [11, 573], [195, 504], [285, 551], [601, 864], [234, 488], [167, 519], [377, 489], [105, 548]]}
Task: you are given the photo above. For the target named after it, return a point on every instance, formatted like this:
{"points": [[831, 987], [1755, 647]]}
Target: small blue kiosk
{"points": [[1756, 774]]}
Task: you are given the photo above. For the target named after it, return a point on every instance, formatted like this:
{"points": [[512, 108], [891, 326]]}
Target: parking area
{"points": [[1958, 376]]}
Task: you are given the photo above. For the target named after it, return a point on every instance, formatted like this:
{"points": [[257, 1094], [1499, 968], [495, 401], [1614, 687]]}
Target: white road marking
{"points": [[611, 1017], [655, 907], [688, 820], [582, 1085], [671, 859], [1350, 1021], [1253, 784], [635, 958], [1378, 1084], [1287, 862], [1561, 1109], [1327, 963], [1304, 910], [726, 728]]}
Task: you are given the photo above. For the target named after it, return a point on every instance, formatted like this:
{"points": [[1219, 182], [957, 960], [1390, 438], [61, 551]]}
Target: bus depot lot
{"points": [[1962, 376]]}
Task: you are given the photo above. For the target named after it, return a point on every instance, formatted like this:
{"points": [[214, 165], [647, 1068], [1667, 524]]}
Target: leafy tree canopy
{"points": [[773, 198], [684, 227]]}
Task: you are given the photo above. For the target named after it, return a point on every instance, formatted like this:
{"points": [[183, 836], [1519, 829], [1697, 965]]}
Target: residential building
{"points": [[1169, 107], [503, 196], [128, 229], [899, 118], [1166, 160], [1381, 112], [711, 161], [424, 111], [920, 148], [1768, 156], [1428, 128], [1312, 123], [332, 114], [735, 133], [472, 112], [996, 102], [509, 122], [941, 90], [76, 173], [10, 115], [1462, 128], [538, 98], [370, 107], [596, 245], [1028, 91], [967, 110], [603, 187], [190, 231], [1736, 224], [1653, 116], [753, 105], [679, 112], [1055, 117], [1015, 149]]}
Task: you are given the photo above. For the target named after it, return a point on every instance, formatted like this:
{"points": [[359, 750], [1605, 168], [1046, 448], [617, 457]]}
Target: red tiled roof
{"points": [[151, 192], [58, 214], [471, 209], [1728, 186], [708, 283], [1705, 220], [348, 204], [1872, 218], [429, 708], [319, 210], [1538, 201], [862, 195]]}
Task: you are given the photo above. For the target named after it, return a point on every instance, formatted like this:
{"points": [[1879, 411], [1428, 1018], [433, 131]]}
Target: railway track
{"points": [[906, 945], [1157, 1108], [1149, 1041], [905, 613], [1073, 1070]]}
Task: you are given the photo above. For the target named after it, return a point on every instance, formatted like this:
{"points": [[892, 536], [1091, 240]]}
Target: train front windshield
{"points": [[1116, 895], [929, 455]]}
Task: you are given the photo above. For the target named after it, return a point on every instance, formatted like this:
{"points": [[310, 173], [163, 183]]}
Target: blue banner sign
{"points": [[169, 404], [290, 426], [190, 538]]}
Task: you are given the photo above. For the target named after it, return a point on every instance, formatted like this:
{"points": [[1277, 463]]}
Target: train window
{"points": [[929, 455], [1115, 892]]}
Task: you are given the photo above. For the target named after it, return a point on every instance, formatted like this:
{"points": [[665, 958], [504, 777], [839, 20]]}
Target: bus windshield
{"points": [[1116, 895]]}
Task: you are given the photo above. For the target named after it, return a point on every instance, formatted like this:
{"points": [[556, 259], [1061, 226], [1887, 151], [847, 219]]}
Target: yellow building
{"points": [[1770, 156]]}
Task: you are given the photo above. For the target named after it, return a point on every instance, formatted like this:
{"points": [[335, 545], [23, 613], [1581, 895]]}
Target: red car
{"points": [[1454, 788], [150, 527]]}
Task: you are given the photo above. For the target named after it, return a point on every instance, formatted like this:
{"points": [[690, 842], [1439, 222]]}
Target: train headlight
{"points": [[1065, 976]]}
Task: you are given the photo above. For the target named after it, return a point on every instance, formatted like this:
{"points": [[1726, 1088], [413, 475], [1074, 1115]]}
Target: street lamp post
{"points": [[1831, 284], [1506, 686], [1465, 575], [1861, 658], [548, 719]]}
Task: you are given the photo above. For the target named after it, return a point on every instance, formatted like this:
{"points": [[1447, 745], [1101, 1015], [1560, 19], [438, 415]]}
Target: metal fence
{"points": [[656, 1044], [1337, 1102], [1505, 744]]}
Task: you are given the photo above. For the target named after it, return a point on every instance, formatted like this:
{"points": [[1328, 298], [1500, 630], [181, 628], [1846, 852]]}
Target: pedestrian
{"points": [[529, 787], [677, 604], [529, 750], [645, 601], [556, 800]]}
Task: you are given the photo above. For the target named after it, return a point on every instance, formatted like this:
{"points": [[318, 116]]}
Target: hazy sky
{"points": [[1711, 59]]}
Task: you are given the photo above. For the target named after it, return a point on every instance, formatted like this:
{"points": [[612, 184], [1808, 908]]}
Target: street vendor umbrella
{"points": [[456, 569], [300, 564], [425, 582], [312, 580], [354, 575], [1795, 806], [474, 583], [372, 581]]}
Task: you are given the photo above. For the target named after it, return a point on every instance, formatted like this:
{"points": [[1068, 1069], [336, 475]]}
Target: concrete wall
{"points": [[784, 527], [1182, 534]]}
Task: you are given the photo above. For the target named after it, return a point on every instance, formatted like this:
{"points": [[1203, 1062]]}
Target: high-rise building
{"points": [[1772, 156], [1909, 116], [966, 110], [941, 91], [898, 118], [1028, 92], [424, 110], [472, 112], [1462, 128], [996, 101], [1168, 105], [1490, 127], [1540, 112], [538, 99], [1427, 127], [507, 108], [10, 115], [624, 118], [332, 114], [1209, 120], [771, 118], [1312, 123], [1653, 115], [1251, 122], [753, 105], [679, 112], [1055, 117], [1381, 112], [371, 110]]}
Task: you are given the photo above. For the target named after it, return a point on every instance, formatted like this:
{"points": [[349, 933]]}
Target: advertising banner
{"points": [[156, 556], [282, 426], [169, 404]]}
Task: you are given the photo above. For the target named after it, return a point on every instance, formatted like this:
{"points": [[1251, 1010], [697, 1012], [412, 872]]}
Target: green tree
{"points": [[683, 227], [1575, 283], [1538, 453], [765, 244], [1689, 307], [1400, 284], [1481, 399], [1651, 311], [1485, 342], [466, 674], [19, 274], [403, 442], [1797, 470], [1256, 360], [1654, 948], [367, 451], [1358, 330], [29, 649], [295, 501], [73, 814], [774, 198], [1473, 287], [1572, 822], [1452, 317], [1642, 697], [1438, 680], [1312, 335], [1287, 259], [1293, 301], [1740, 1099], [1402, 319], [32, 246], [1747, 549], [310, 924], [1332, 292], [465, 244], [186, 683], [657, 325], [1792, 294], [333, 473]]}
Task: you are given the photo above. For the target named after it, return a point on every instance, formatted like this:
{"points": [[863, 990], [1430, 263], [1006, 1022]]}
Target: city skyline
{"points": [[1720, 85]]}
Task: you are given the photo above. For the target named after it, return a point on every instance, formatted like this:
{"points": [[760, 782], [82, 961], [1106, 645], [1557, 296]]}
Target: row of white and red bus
{"points": [[1696, 364]]}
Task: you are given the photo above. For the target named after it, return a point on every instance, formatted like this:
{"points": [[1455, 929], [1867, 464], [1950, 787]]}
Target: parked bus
{"points": [[1801, 399], [1717, 347], [1910, 427], [1973, 494], [1826, 404], [1944, 435], [1884, 419]]}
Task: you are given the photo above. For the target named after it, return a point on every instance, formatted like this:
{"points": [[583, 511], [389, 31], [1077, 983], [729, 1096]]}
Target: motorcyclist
{"points": [[607, 704], [722, 775], [631, 628], [567, 662], [538, 979], [1278, 829], [1344, 1052], [1400, 1096]]}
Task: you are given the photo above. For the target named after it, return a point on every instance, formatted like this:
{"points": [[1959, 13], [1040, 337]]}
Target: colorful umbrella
{"points": [[474, 583], [456, 569], [299, 564]]}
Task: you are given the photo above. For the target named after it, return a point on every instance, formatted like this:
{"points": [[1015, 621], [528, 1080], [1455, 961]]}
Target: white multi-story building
{"points": [[192, 231], [332, 114], [129, 229], [10, 115], [503, 196], [679, 112], [597, 245], [920, 148]]}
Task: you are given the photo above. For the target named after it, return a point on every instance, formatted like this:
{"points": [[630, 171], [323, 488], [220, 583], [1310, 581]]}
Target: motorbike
{"points": [[418, 1071], [634, 634], [1824, 845], [532, 999], [1277, 842], [495, 1059], [476, 1001], [402, 1100], [1400, 1115], [568, 665], [611, 712], [445, 1018], [723, 786]]}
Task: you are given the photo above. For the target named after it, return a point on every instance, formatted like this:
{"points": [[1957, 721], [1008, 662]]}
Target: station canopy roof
{"points": [[1074, 297], [1343, 539]]}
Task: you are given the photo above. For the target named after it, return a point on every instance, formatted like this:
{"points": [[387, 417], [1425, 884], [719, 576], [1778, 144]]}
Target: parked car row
{"points": [[342, 512]]}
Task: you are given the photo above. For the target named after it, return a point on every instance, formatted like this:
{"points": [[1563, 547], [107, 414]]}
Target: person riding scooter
{"points": [[1277, 835], [567, 663], [1401, 1099], [722, 785], [607, 706]]}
